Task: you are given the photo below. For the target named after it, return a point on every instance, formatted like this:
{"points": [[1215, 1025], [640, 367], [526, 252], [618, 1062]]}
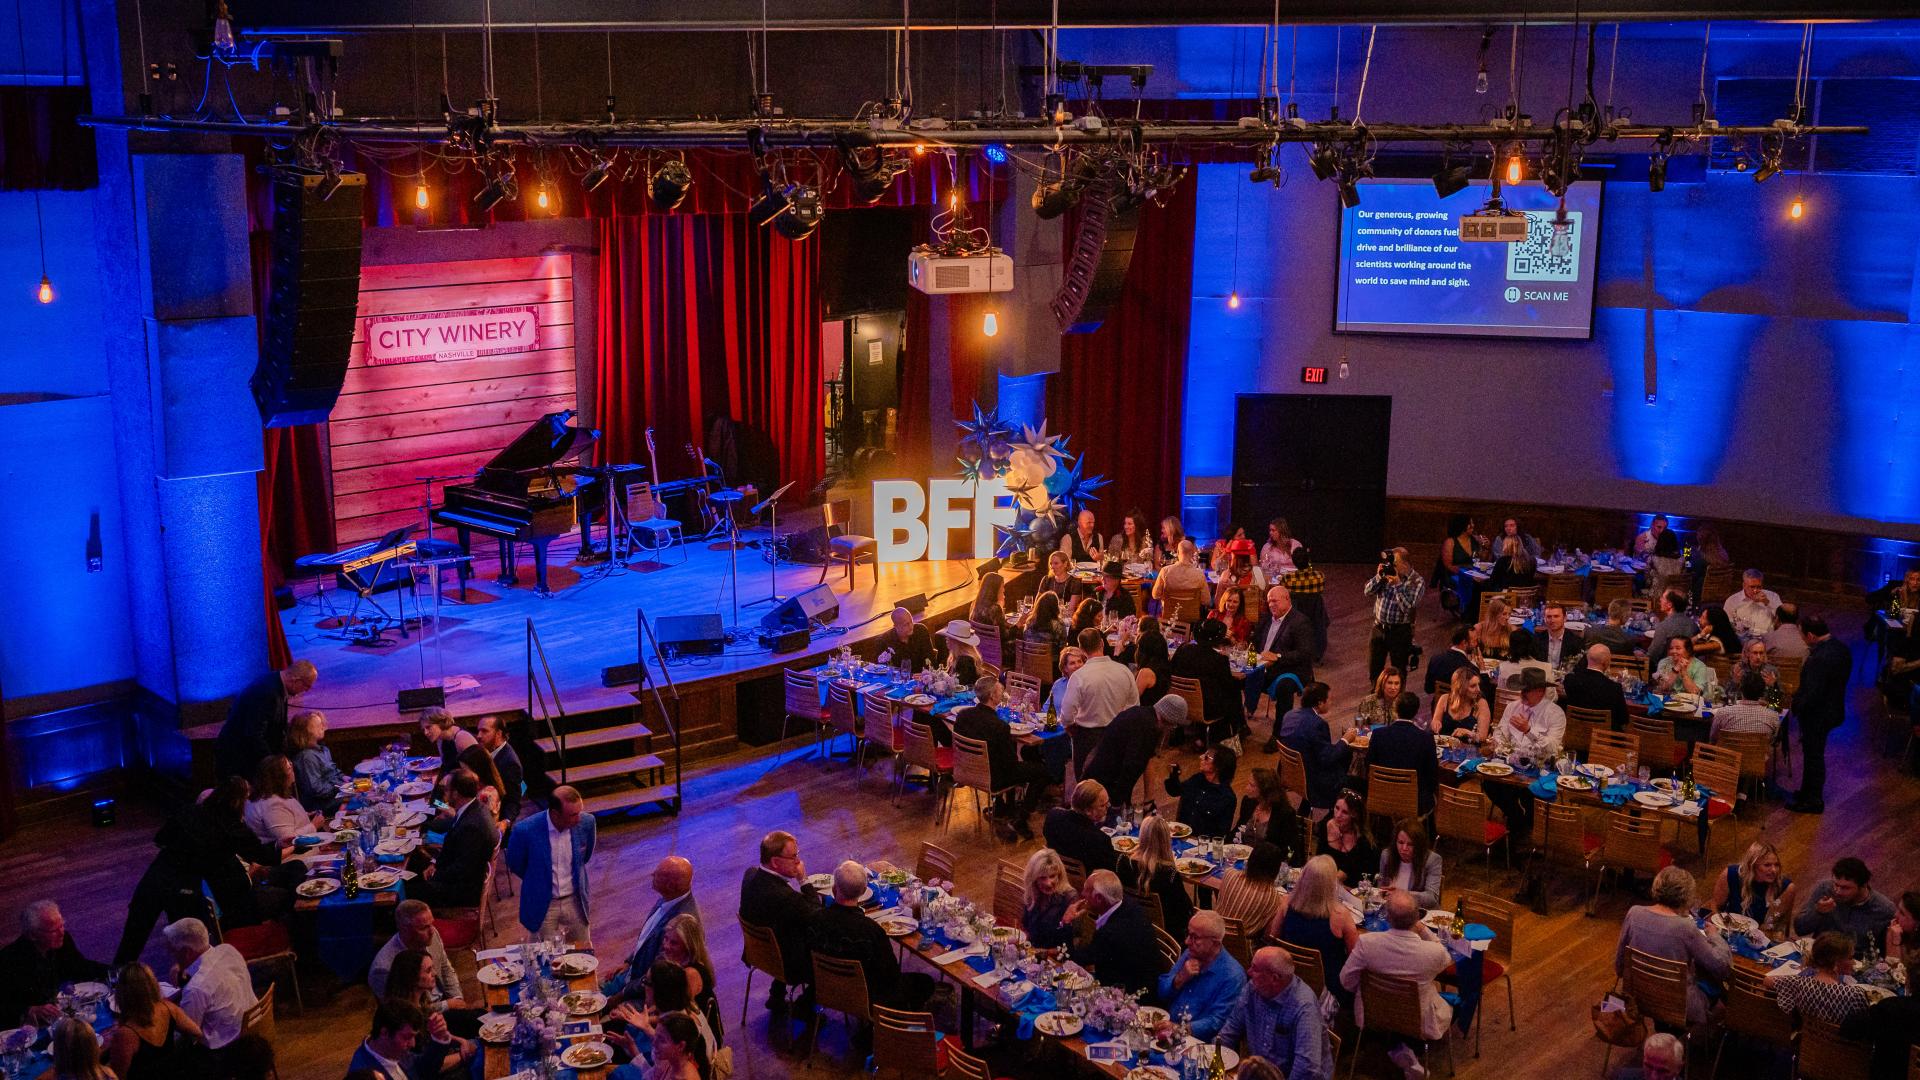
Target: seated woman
{"points": [[1665, 929], [989, 609], [1411, 865], [1497, 639], [1515, 568], [273, 812], [1342, 837], [1460, 710], [1276, 555], [1071, 658], [1059, 580], [1207, 802], [667, 995], [1456, 558], [685, 943], [1756, 887], [1240, 571], [1085, 617], [1149, 869], [1312, 918], [962, 644], [1679, 671], [1377, 707], [1172, 535], [1230, 611], [1753, 660], [1134, 542], [318, 778], [1716, 636], [1267, 816], [1044, 625], [1826, 990], [155, 1039], [1253, 895], [1045, 896], [1153, 664], [437, 1050]]}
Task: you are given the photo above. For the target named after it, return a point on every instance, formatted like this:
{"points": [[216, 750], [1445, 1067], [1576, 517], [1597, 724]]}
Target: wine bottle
{"points": [[350, 877], [1460, 917], [1217, 1068]]}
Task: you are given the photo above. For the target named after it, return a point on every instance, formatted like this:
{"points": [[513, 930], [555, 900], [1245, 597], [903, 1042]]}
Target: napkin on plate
{"points": [[976, 949], [1783, 951], [1785, 971]]}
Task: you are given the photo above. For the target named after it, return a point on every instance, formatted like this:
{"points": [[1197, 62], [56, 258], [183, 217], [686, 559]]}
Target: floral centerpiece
{"points": [[1110, 1009], [1047, 491], [938, 682]]}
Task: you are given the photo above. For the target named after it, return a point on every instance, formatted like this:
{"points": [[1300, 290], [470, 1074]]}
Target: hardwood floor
{"points": [[1564, 960]]}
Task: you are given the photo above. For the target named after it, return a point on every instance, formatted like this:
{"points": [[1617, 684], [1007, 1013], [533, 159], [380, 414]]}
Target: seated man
{"points": [[414, 929], [459, 872], [1590, 687], [392, 1047], [1751, 609], [1307, 733], [1407, 950], [506, 766], [1008, 764], [1747, 714], [1074, 831], [1613, 632], [1278, 1016], [775, 897], [1844, 903], [845, 932], [1662, 1057], [1121, 952], [673, 883], [217, 990], [38, 962], [1408, 744], [1206, 979]]}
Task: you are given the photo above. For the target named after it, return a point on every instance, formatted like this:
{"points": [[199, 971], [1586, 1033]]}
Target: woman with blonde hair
{"points": [[319, 779], [1149, 869], [1311, 918], [1461, 709], [1496, 636], [684, 942], [1045, 895], [154, 1035], [1756, 886], [76, 1053], [1377, 707]]}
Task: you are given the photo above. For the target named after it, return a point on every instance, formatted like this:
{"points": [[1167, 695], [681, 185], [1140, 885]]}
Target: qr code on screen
{"points": [[1534, 260]]}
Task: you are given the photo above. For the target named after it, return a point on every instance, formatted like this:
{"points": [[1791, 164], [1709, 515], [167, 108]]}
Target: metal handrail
{"points": [[559, 737]]}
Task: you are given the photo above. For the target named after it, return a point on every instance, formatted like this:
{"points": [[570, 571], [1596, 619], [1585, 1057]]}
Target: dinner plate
{"points": [[1193, 867], [1071, 979], [314, 888], [500, 973], [1023, 728], [413, 787], [1360, 742], [425, 763], [409, 819], [497, 1030], [1577, 783], [575, 964], [370, 766], [1236, 852], [1666, 784], [1653, 798], [822, 882], [1180, 829], [1059, 1023], [1194, 1046], [1438, 919], [898, 927], [895, 877], [1152, 1016], [920, 701], [588, 1055], [1875, 994], [1598, 772], [375, 880], [1495, 768], [583, 1002], [1152, 1072], [393, 847], [1125, 844], [1676, 706], [1732, 922], [85, 992], [1007, 933]]}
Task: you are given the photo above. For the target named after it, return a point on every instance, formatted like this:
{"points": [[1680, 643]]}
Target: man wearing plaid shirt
{"points": [[1308, 587], [1395, 595]]}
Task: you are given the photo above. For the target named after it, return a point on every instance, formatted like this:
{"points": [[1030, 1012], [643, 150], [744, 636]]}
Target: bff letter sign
{"points": [[911, 521], [451, 335]]}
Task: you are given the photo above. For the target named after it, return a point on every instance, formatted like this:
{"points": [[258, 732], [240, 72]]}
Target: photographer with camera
{"points": [[1395, 589]]}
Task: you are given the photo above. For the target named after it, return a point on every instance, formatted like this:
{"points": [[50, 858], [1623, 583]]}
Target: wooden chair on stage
{"points": [[847, 547]]}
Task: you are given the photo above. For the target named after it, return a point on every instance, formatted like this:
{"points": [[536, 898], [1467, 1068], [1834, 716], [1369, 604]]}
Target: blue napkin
{"points": [[1031, 1006], [981, 964], [1546, 787], [1616, 793], [1471, 764]]}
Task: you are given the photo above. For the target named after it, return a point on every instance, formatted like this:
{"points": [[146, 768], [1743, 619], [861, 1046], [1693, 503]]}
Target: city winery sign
{"points": [[451, 335]]}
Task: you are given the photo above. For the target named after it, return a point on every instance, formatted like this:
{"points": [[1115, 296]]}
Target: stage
{"points": [[587, 624]]}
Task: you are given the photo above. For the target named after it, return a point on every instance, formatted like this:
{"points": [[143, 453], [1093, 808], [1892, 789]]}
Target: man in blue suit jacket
{"points": [[549, 854]]}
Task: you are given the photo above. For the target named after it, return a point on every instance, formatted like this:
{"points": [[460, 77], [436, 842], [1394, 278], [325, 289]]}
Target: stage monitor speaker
{"points": [[791, 639], [422, 698], [313, 297], [623, 675], [691, 635], [818, 602]]}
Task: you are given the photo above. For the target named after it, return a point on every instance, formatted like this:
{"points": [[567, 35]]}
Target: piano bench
{"points": [[850, 549]]}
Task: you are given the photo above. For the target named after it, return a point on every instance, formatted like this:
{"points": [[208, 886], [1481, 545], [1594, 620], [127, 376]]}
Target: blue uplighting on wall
{"points": [[1876, 380], [1225, 344], [1679, 436], [1023, 399]]}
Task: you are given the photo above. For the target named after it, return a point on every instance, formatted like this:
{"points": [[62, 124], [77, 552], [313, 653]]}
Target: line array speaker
{"points": [[314, 290]]}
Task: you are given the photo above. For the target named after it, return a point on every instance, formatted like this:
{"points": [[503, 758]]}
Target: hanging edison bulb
{"points": [[990, 325], [1516, 169], [541, 198], [1798, 209], [44, 293], [420, 196], [1233, 299]]}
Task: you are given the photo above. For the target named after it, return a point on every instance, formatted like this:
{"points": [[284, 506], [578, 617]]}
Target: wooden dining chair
{"points": [[1009, 897], [989, 635], [964, 1066], [1751, 1014], [1179, 632], [1581, 724], [1239, 940], [880, 718], [1020, 683], [1393, 794], [1632, 665], [1789, 669], [1718, 583], [1182, 606], [803, 702], [919, 751], [1566, 589], [1568, 843], [1487, 599], [1196, 699], [1293, 771], [842, 717], [258, 1019], [1660, 749], [1502, 698], [1076, 871], [1149, 902], [760, 952], [1170, 949], [1657, 987], [844, 546], [1641, 604], [905, 1043], [934, 862], [972, 770], [1751, 748], [1610, 585], [1465, 814], [840, 985], [1525, 597], [1632, 846], [1722, 666], [1612, 748], [1497, 963], [1723, 779], [1034, 659], [1392, 1007], [265, 943], [1307, 966]]}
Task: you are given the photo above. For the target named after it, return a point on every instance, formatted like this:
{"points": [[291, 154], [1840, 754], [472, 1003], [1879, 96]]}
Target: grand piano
{"points": [[526, 494]]}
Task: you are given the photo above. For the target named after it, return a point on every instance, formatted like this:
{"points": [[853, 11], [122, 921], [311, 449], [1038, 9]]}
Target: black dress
{"points": [[1364, 859], [1176, 906]]}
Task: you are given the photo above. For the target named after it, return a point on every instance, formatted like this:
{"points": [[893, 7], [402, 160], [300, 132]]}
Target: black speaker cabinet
{"points": [[314, 290]]}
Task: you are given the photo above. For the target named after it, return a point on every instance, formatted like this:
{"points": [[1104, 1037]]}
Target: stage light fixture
{"points": [[670, 185], [803, 214], [1053, 198], [420, 196], [597, 174], [44, 293], [502, 187], [873, 172], [996, 153], [770, 205], [1772, 150], [1516, 169], [1323, 160], [1349, 191], [1657, 172], [1056, 106], [1796, 211], [1451, 179]]}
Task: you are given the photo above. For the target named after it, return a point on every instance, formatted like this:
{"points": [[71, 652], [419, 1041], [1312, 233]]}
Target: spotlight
{"points": [[802, 216], [1053, 198], [1323, 160], [1741, 164], [873, 172], [1516, 169], [597, 174], [1772, 149], [501, 188], [1451, 179], [1349, 191], [1233, 299], [1264, 174], [420, 196], [770, 205], [44, 293], [671, 182], [996, 153], [1657, 172], [1796, 211]]}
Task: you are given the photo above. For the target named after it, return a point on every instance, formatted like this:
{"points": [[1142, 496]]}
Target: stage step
{"points": [[601, 770], [596, 736], [624, 797]]}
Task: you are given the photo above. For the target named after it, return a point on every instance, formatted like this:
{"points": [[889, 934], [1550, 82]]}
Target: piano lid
{"points": [[547, 441]]}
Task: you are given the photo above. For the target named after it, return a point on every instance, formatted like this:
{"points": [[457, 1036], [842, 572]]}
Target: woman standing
{"points": [[1150, 870], [154, 1038]]}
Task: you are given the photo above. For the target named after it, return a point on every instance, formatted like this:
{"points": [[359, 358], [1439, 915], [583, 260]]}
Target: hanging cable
{"points": [[1365, 69], [1613, 65], [1293, 64], [1803, 74], [539, 114], [1706, 43], [486, 41], [1513, 70]]}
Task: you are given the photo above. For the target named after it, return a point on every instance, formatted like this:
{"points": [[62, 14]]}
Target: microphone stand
{"points": [[772, 505]]}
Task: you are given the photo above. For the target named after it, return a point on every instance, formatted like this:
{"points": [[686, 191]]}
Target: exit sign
{"points": [[1313, 375]]}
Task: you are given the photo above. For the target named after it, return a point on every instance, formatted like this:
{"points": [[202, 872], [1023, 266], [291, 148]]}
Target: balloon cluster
{"points": [[1047, 490]]}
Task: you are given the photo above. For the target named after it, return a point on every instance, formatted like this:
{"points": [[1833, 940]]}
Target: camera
{"points": [[1386, 567]]}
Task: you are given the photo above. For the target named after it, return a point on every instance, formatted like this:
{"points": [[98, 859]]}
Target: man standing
{"points": [[774, 896], [1006, 766], [1674, 622], [506, 765], [1821, 706], [38, 963], [1408, 951], [1074, 830], [673, 883], [459, 873], [1785, 641], [1125, 751], [1285, 643], [1751, 609], [413, 929], [257, 720], [1095, 695], [1590, 687], [1279, 1017], [1395, 589], [216, 989], [1206, 979], [1845, 904], [549, 853], [1120, 952], [1551, 642]]}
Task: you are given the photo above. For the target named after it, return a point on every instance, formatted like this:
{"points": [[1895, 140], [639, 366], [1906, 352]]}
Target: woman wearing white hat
{"points": [[963, 651]]}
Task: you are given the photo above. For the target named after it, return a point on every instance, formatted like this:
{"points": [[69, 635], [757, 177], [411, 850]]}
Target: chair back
{"points": [[1076, 871], [1752, 1007], [1503, 696], [989, 646], [841, 985], [803, 695], [1611, 585], [1293, 771], [1169, 948], [1181, 605], [258, 1019], [1720, 777], [1238, 944], [934, 862], [1196, 699], [1019, 682], [917, 746], [1149, 902], [1634, 665], [1722, 666], [1633, 843], [1826, 1055], [1658, 986], [1612, 748], [877, 713], [905, 1043], [1749, 748], [1179, 632], [1581, 724], [1034, 659], [1009, 899], [1527, 596], [970, 765], [1392, 793], [841, 716], [1565, 589], [1498, 916], [964, 1066], [1307, 965], [1391, 1005], [1658, 749], [760, 950], [837, 516], [1487, 599], [1461, 814], [1566, 842], [1789, 668], [1641, 604], [1718, 583]]}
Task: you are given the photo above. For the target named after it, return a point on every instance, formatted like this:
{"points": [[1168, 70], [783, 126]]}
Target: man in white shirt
{"points": [[1532, 725], [1407, 951], [217, 990], [1095, 695], [414, 929], [1751, 609]]}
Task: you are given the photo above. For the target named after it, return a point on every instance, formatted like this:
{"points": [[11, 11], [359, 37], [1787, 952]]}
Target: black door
{"points": [[1318, 460]]}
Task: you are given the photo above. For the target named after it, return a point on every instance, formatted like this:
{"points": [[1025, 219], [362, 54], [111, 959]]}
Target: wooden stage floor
{"points": [[587, 624]]}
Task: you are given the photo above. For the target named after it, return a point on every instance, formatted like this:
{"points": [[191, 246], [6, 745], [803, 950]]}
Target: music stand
{"points": [[772, 504]]}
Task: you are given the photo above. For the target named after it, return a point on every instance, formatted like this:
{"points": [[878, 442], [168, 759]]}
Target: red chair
{"points": [[265, 943]]}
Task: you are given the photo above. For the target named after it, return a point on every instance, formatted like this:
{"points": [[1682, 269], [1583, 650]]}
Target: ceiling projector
{"points": [[938, 273]]}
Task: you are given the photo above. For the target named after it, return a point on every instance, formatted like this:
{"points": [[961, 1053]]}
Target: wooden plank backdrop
{"points": [[397, 422]]}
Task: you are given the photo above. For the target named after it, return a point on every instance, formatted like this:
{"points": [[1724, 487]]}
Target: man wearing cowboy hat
{"points": [[1533, 726], [962, 648], [1115, 601]]}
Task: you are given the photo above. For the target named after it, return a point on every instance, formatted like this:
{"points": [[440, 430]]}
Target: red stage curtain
{"points": [[704, 316], [1119, 392]]}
